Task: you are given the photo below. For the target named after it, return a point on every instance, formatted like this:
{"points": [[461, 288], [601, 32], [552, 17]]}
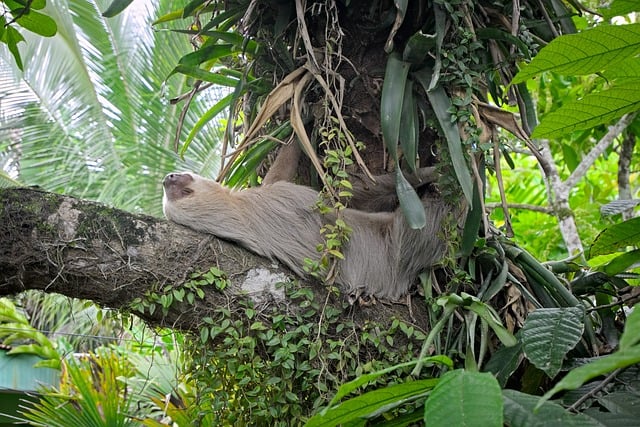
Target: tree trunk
{"points": [[87, 250]]}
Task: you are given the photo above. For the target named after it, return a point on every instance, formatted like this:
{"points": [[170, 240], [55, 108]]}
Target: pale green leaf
{"points": [[631, 335], [549, 334], [370, 402], [349, 387], [463, 398], [622, 263], [616, 237], [619, 8], [588, 52], [594, 109]]}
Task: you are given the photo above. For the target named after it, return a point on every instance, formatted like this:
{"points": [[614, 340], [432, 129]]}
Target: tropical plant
{"points": [[416, 82], [92, 103]]}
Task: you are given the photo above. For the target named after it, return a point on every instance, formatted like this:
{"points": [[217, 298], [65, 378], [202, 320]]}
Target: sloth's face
{"points": [[178, 185]]}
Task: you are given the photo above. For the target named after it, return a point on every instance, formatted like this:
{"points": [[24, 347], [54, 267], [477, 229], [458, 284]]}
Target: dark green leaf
{"points": [[410, 203], [494, 33], [209, 52], [418, 47], [462, 398], [519, 411], [393, 89], [207, 76], [441, 103], [116, 7], [504, 362], [12, 37], [409, 127], [622, 263], [471, 224], [549, 333]]}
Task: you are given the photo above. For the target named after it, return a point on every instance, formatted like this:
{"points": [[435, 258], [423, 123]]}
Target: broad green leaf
{"points": [[464, 398], [504, 362], [38, 23], [116, 7], [619, 8], [368, 403], [418, 47], [441, 103], [616, 237], [597, 108], [622, 263], [631, 335], [393, 90], [353, 385], [604, 365], [549, 334], [587, 52], [629, 69], [519, 411], [570, 156]]}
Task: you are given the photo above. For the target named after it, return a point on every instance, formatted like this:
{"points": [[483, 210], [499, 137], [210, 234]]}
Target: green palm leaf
{"points": [[90, 114]]}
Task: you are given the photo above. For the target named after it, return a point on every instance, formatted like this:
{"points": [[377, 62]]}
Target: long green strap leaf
{"points": [[393, 94], [441, 103]]}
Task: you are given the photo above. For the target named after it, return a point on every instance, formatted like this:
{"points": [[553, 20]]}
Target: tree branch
{"points": [[87, 250], [588, 160]]}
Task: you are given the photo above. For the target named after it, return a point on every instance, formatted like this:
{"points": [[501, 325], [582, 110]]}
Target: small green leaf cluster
{"points": [[333, 199], [269, 367], [165, 297], [16, 331], [23, 13]]}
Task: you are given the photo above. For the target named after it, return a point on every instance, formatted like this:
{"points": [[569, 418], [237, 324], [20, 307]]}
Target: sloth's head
{"points": [[186, 191], [177, 186]]}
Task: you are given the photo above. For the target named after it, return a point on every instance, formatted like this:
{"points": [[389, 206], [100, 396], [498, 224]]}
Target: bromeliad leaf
{"points": [[440, 102], [393, 90]]}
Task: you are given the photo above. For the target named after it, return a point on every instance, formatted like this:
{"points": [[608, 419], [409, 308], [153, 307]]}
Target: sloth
{"points": [[278, 220]]}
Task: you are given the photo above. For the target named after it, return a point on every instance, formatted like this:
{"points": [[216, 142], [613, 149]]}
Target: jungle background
{"points": [[527, 111]]}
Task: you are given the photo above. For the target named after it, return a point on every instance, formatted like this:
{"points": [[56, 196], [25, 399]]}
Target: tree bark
{"points": [[83, 249]]}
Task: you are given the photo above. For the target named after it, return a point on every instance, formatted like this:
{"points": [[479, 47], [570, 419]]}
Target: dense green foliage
{"points": [[504, 329]]}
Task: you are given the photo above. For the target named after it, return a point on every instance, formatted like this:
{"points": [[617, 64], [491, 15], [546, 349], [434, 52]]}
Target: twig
{"points": [[607, 380]]}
